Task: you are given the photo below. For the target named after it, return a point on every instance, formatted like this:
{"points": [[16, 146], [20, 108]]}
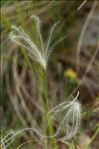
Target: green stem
{"points": [[50, 129], [93, 137]]}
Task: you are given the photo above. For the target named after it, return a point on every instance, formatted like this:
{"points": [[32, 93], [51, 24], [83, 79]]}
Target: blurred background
{"points": [[73, 66]]}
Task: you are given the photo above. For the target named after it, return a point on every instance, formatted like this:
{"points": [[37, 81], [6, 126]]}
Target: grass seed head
{"points": [[40, 55]]}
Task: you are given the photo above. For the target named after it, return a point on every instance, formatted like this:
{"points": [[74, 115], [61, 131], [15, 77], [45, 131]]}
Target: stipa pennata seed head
{"points": [[39, 54], [3, 141], [68, 116]]}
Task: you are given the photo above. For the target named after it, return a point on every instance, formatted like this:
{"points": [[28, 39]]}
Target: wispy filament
{"points": [[39, 55]]}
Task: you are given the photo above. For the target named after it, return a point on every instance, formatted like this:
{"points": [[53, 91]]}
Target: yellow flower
{"points": [[70, 73]]}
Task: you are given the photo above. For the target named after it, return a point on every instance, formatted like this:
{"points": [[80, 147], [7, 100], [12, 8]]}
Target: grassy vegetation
{"points": [[49, 86]]}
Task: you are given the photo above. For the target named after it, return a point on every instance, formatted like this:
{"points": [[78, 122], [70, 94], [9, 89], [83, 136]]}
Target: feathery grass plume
{"points": [[69, 116], [41, 54], [6, 141]]}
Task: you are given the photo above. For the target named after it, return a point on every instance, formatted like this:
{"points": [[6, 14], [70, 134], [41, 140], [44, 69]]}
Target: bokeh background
{"points": [[73, 66]]}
